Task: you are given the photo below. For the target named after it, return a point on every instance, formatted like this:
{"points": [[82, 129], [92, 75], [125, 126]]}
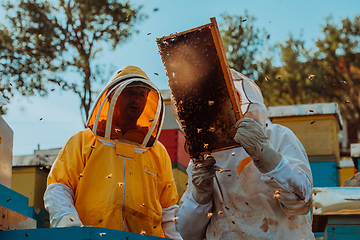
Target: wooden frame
{"points": [[202, 87]]}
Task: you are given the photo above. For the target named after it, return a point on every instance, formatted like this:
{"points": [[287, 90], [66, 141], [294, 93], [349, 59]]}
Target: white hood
{"points": [[251, 100]]}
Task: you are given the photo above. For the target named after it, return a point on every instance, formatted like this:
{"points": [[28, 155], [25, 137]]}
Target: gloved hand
{"points": [[69, 220], [252, 138], [203, 173]]}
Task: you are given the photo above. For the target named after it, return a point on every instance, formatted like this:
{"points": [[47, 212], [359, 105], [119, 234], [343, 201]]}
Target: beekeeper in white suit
{"points": [[267, 193]]}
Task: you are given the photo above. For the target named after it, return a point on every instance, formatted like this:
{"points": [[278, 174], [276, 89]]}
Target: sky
{"points": [[49, 122]]}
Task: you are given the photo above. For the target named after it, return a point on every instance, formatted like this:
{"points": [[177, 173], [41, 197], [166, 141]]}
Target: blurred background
{"points": [[55, 56], [276, 43]]}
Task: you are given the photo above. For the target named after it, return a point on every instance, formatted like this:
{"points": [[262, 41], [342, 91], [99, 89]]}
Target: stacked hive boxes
{"points": [[6, 144], [29, 179], [317, 126], [174, 141], [13, 206]]}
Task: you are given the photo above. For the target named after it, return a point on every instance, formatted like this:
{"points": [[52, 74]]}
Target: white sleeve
{"points": [[292, 186], [168, 222], [59, 201], [192, 214]]}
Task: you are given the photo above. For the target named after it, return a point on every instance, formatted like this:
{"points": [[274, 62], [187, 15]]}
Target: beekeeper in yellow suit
{"points": [[266, 192], [115, 174]]}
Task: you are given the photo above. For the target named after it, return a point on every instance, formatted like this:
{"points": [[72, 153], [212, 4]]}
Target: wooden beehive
{"points": [[316, 125], [202, 87], [173, 140]]}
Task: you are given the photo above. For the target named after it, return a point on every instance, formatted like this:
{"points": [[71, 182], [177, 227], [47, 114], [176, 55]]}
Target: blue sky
{"points": [[60, 110]]}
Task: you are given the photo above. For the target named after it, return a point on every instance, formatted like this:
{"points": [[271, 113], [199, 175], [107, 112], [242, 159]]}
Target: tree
{"points": [[45, 40], [290, 83], [329, 73], [242, 42], [280, 85], [336, 66]]}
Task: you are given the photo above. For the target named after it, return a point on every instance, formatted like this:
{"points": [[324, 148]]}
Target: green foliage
{"points": [[242, 42], [289, 84], [336, 65], [45, 40], [328, 73]]}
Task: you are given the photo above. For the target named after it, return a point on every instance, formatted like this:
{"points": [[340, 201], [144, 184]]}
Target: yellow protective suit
{"points": [[118, 181]]}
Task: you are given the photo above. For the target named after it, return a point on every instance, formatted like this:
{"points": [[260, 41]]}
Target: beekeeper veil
{"points": [[251, 100]]}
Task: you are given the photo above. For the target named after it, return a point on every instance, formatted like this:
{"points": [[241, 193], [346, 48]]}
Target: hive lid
{"points": [[306, 110], [336, 200]]}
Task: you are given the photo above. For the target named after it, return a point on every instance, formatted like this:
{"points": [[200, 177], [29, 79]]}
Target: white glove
{"points": [[251, 137], [69, 220], [203, 173]]}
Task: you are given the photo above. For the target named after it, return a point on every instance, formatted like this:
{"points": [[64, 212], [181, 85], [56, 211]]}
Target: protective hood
{"points": [[251, 100], [103, 115]]}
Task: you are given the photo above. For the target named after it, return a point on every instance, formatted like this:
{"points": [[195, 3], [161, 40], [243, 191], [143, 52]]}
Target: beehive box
{"points": [[6, 154], [181, 179], [347, 170], [202, 87], [31, 182], [316, 125], [174, 142], [325, 174], [336, 212], [14, 211]]}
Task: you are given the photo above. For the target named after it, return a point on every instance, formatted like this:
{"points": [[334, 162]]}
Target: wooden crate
{"points": [[347, 170], [325, 174], [31, 182], [202, 86], [14, 211], [344, 227], [6, 154], [319, 134], [316, 125], [174, 142], [181, 179], [11, 220]]}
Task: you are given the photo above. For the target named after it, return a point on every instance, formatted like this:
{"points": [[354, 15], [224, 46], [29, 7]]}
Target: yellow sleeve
{"points": [[169, 195], [70, 162]]}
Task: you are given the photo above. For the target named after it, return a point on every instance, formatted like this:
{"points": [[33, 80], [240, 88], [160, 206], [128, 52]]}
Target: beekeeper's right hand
{"points": [[69, 220], [203, 173]]}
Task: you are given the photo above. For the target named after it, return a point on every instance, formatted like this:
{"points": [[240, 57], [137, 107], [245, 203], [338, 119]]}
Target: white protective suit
{"points": [[246, 203]]}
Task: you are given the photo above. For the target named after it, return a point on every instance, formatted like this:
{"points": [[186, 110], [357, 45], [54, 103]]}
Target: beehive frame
{"points": [[202, 87]]}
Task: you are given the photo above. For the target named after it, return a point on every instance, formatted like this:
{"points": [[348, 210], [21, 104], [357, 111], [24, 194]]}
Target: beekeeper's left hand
{"points": [[203, 173], [251, 137]]}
